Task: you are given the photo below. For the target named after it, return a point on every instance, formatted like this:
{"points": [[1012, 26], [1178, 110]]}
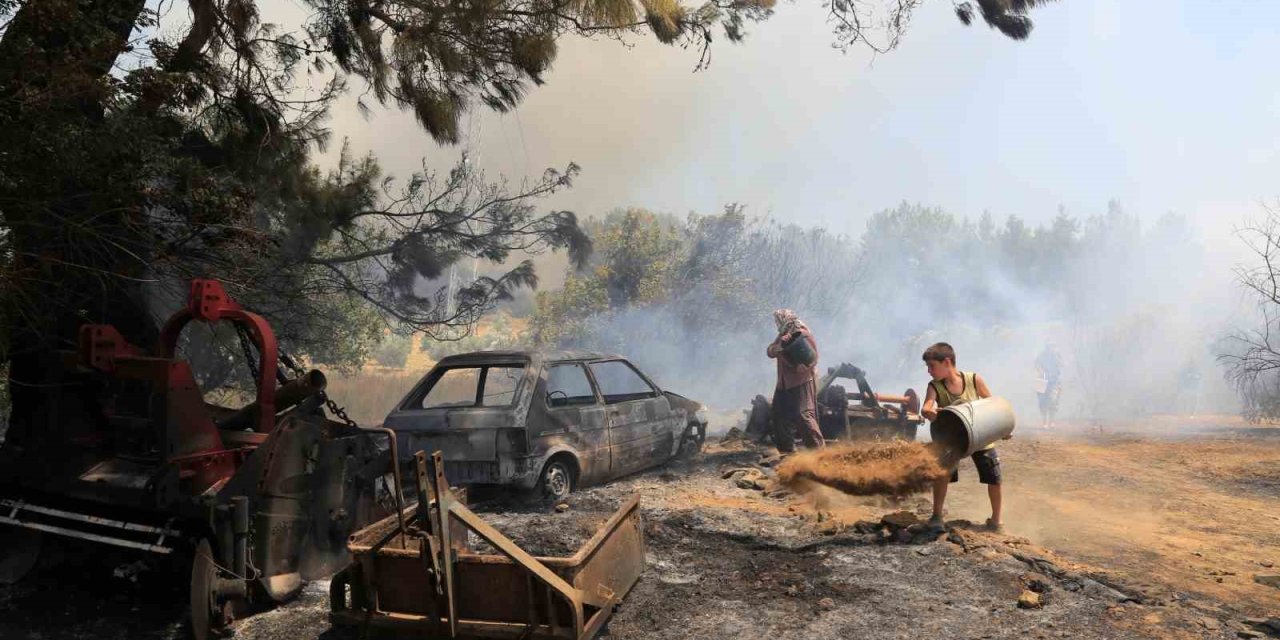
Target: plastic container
{"points": [[798, 351]]}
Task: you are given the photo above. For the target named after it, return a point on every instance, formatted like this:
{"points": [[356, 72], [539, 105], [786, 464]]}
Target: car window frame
{"points": [[656, 391], [591, 382], [420, 392], [484, 380]]}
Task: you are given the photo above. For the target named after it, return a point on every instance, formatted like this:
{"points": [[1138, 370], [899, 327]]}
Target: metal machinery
{"points": [[865, 414], [844, 415], [259, 499], [415, 573]]}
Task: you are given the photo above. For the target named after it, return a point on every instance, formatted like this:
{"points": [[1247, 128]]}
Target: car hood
{"points": [[680, 402]]}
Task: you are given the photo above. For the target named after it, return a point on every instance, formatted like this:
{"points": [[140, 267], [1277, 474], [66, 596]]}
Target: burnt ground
{"points": [[727, 559]]}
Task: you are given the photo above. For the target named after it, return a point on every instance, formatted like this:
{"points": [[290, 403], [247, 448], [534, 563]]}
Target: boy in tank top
{"points": [[951, 386]]}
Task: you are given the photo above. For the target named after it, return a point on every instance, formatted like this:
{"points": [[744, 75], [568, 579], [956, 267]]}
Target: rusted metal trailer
{"points": [[415, 572]]}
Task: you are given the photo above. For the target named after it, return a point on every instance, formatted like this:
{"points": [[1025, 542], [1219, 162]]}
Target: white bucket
{"points": [[962, 429]]}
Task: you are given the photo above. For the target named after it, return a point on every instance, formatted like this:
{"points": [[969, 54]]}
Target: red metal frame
{"points": [[209, 302], [101, 345], [187, 434]]}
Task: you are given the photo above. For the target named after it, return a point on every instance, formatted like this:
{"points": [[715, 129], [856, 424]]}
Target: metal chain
{"points": [[333, 407], [337, 411], [248, 352], [290, 363]]}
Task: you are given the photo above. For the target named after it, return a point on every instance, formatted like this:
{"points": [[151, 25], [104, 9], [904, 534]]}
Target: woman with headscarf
{"points": [[794, 409]]}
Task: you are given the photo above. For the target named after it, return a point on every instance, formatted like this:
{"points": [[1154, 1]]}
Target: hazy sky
{"points": [[1165, 106]]}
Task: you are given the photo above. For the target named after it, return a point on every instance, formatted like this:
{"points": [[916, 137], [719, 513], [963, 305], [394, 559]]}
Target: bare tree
{"points": [[1252, 356]]}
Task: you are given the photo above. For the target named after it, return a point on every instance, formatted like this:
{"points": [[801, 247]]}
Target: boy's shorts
{"points": [[988, 463]]}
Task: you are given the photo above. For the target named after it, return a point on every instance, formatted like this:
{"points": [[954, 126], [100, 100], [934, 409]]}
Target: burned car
{"points": [[547, 421]]}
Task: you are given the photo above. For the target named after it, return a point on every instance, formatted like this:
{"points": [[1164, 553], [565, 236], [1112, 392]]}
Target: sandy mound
{"points": [[881, 468]]}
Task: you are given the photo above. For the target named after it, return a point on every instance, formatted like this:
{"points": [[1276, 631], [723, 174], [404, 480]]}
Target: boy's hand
{"points": [[929, 414]]}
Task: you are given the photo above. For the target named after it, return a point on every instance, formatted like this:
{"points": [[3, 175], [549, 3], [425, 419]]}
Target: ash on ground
{"points": [[731, 554]]}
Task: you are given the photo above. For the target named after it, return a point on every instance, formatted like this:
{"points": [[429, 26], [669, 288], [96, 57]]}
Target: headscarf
{"points": [[787, 321]]}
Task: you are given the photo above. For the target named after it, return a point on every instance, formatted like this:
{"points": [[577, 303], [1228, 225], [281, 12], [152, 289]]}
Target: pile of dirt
{"points": [[893, 468]]}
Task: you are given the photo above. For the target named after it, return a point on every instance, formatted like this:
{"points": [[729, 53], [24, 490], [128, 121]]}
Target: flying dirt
{"points": [[885, 468]]}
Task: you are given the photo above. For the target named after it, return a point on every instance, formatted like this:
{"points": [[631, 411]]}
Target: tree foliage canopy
{"points": [[192, 157], [132, 158]]}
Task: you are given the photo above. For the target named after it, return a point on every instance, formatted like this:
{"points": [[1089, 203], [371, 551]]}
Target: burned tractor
{"points": [[844, 415], [257, 499], [864, 414]]}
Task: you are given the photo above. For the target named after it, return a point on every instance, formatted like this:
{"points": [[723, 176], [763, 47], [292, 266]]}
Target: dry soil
{"points": [[1147, 530]]}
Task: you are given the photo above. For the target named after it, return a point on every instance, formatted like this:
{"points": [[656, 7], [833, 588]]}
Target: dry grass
{"points": [[369, 395], [881, 468]]}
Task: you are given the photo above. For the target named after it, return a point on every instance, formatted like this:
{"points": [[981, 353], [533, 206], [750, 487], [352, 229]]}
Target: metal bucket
{"points": [[962, 429]]}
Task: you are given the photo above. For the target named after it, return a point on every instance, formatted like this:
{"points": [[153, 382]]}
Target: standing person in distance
{"points": [[1048, 383]]}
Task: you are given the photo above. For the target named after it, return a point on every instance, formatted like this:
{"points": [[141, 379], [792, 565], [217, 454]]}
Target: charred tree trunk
{"points": [[77, 253]]}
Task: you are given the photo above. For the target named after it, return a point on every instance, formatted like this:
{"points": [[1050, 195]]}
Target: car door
{"points": [[575, 416], [466, 410], [639, 417]]}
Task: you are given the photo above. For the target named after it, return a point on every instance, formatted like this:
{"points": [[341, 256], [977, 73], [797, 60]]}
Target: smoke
{"points": [[1134, 310]]}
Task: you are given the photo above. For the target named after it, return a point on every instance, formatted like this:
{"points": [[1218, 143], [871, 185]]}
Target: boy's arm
{"points": [[981, 385], [930, 410]]}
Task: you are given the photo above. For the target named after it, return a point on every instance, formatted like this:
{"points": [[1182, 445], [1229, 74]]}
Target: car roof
{"points": [[485, 357]]}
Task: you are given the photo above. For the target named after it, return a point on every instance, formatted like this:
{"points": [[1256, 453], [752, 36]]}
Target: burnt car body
{"points": [[549, 420]]}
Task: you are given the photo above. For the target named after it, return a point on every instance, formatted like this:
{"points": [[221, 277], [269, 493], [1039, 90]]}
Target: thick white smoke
{"points": [[1135, 311]]}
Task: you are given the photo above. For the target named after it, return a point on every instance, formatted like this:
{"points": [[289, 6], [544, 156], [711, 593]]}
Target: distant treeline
{"points": [[691, 297], [727, 269]]}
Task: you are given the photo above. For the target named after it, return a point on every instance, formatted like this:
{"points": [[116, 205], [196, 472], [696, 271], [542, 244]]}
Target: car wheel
{"points": [[557, 480], [695, 434]]}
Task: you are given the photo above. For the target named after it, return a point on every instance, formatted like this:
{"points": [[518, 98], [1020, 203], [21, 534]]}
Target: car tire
{"points": [[557, 480], [691, 441]]}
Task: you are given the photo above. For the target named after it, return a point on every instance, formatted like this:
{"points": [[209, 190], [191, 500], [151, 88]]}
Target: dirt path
{"points": [[1174, 506]]}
